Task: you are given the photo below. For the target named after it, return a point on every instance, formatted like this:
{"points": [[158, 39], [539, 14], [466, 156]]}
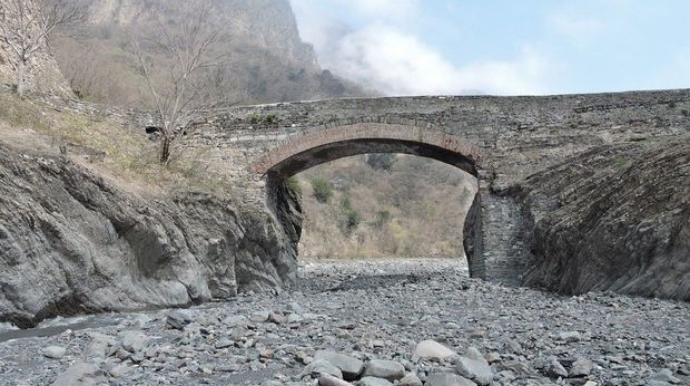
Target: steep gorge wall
{"points": [[614, 218], [71, 242]]}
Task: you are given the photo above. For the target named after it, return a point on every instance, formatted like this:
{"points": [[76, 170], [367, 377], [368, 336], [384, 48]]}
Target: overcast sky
{"points": [[504, 47]]}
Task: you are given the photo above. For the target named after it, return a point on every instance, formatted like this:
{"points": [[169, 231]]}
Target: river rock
{"points": [[350, 367], [319, 367], [389, 370], [54, 352], [410, 380], [555, 369], [581, 368], [373, 381], [446, 379], [133, 341], [473, 366], [329, 380], [433, 350], [80, 374]]}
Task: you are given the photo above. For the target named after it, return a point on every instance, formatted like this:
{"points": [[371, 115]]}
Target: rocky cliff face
{"points": [[266, 62], [70, 242], [615, 218]]}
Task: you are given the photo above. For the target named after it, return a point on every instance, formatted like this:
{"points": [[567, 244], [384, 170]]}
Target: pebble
{"points": [[54, 352]]}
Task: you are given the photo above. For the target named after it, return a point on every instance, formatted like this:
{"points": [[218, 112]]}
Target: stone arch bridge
{"points": [[499, 140]]}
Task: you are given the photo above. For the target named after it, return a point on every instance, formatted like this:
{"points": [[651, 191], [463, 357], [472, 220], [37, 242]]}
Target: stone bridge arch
{"points": [[303, 150], [307, 149]]}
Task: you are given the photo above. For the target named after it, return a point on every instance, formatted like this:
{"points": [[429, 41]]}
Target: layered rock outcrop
{"points": [[71, 242], [613, 218]]}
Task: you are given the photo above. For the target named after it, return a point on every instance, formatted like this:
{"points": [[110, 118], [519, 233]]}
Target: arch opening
{"points": [[401, 207], [308, 151], [333, 151]]}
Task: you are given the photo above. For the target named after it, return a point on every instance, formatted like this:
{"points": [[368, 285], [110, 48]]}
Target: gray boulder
{"points": [[133, 341], [319, 367], [54, 352], [351, 367], [329, 380], [433, 350], [410, 380], [389, 370], [473, 366], [178, 319], [445, 379], [581, 368], [80, 374], [373, 381]]}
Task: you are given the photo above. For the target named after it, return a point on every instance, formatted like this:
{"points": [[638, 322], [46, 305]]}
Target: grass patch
{"points": [[620, 163], [128, 157]]}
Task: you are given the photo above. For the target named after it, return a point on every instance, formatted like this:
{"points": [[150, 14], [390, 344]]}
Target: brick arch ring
{"points": [[302, 151]]}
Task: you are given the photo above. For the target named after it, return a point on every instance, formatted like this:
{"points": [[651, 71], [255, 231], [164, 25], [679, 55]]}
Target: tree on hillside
{"points": [[381, 161], [25, 26], [180, 86]]}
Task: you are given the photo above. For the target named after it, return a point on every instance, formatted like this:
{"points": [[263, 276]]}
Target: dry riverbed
{"points": [[405, 322]]}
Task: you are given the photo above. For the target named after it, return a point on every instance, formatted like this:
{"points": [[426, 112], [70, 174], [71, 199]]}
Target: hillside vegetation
{"points": [[415, 207]]}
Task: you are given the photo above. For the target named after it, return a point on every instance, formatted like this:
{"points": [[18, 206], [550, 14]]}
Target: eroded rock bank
{"points": [[614, 218], [70, 242]]}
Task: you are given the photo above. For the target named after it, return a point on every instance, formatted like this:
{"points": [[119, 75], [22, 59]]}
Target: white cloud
{"points": [[384, 9], [386, 56], [400, 64]]}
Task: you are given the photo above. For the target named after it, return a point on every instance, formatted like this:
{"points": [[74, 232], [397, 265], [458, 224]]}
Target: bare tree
{"points": [[181, 86], [25, 26]]}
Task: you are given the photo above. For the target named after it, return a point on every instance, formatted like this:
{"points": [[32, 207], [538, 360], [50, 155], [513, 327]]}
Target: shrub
{"points": [[382, 218], [268, 119], [352, 217], [271, 119], [294, 186], [620, 163], [255, 119], [381, 161], [322, 190]]}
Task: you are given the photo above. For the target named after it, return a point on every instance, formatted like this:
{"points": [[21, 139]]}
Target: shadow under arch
{"points": [[302, 151]]}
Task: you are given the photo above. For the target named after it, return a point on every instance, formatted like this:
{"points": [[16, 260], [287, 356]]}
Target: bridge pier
{"points": [[496, 236]]}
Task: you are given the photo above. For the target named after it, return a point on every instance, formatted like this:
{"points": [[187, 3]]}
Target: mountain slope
{"points": [[266, 61]]}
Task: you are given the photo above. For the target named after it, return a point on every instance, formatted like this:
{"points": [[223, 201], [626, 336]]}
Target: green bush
{"points": [[322, 190], [294, 186], [268, 119], [381, 161], [382, 218], [271, 119], [352, 217], [255, 119]]}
